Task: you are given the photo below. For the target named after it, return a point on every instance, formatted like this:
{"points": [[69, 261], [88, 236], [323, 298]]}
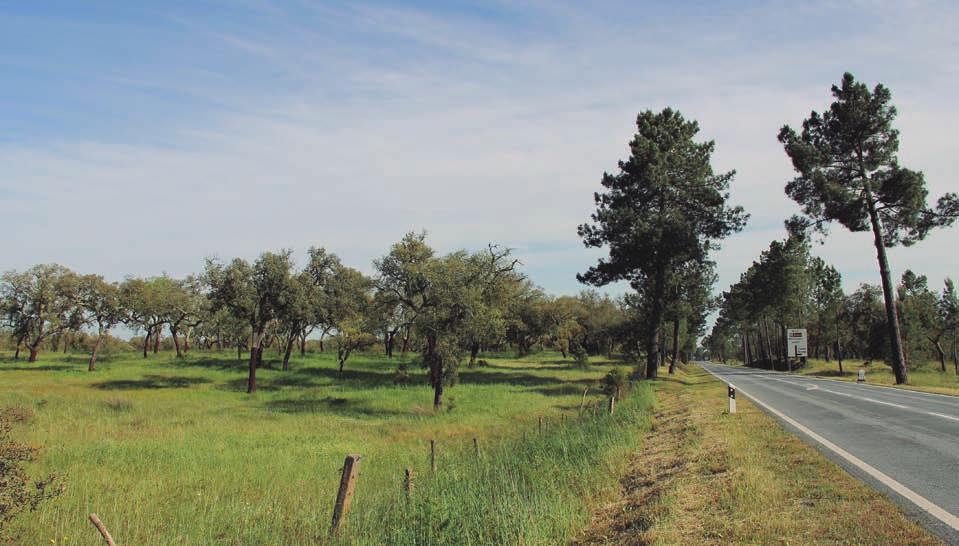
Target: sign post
{"points": [[796, 343]]}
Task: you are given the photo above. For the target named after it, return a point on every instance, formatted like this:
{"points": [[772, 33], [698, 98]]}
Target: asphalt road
{"points": [[903, 443]]}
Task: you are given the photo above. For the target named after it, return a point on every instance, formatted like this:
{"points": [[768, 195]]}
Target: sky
{"points": [[139, 138]]}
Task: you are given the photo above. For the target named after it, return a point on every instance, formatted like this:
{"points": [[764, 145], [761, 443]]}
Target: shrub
{"points": [[17, 493], [580, 356], [616, 383]]}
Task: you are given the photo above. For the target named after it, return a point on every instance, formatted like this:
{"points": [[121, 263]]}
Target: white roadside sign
{"points": [[796, 341]]}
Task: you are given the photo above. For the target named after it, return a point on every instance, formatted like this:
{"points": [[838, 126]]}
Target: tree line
{"points": [[444, 308]]}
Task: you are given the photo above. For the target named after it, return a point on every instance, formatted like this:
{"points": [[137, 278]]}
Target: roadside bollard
{"points": [[732, 399], [862, 376]]}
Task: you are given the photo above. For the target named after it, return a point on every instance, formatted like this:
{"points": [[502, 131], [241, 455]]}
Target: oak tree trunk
{"points": [[93, 356]]}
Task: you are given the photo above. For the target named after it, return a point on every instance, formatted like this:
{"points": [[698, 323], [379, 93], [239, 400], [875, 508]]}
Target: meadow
{"points": [[173, 451]]}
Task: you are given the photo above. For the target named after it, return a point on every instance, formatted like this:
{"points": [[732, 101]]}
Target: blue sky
{"points": [[139, 138]]}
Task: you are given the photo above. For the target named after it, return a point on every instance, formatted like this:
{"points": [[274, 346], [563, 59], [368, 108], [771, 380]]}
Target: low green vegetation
{"points": [[171, 451]]}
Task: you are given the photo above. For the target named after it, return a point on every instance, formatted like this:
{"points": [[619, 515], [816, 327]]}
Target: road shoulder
{"points": [[708, 477]]}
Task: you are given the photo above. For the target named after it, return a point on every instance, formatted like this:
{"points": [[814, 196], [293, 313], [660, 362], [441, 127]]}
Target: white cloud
{"points": [[476, 132]]}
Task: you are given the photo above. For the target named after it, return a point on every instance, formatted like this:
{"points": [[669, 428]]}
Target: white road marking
{"points": [[873, 400], [863, 398], [944, 416], [933, 509]]}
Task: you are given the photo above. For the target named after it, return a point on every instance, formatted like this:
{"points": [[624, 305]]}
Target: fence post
{"points": [[433, 455], [344, 496], [103, 530], [476, 446], [409, 484], [541, 423], [612, 404]]}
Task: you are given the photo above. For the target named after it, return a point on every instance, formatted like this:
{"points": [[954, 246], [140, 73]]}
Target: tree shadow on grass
{"points": [[567, 389], [520, 379], [329, 404], [151, 382], [43, 368]]}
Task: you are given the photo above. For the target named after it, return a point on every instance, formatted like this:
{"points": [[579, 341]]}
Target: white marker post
{"points": [[732, 399], [862, 376]]}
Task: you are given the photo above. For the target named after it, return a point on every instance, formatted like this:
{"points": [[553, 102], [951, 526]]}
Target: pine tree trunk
{"points": [[942, 355], [889, 295], [655, 320], [672, 363], [785, 346]]}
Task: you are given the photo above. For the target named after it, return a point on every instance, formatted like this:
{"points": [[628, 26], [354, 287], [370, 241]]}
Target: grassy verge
{"points": [[173, 452], [713, 478], [926, 377], [922, 377]]}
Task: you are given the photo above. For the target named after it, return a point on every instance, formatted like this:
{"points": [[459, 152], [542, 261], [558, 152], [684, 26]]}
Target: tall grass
{"points": [[532, 491]]}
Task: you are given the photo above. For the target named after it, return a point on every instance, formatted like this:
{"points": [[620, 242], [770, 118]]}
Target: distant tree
{"points": [[827, 297], [148, 305], [101, 304], [254, 293], [947, 323], [441, 294], [665, 207], [41, 302], [849, 172], [350, 301], [531, 318], [185, 308]]}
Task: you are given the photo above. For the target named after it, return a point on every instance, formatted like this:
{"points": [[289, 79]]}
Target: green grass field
{"points": [[171, 451]]}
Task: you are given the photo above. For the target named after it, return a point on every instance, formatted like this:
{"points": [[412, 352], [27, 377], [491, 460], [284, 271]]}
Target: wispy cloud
{"points": [[298, 124]]}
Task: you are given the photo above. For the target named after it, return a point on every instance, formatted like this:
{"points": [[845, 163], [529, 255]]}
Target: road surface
{"points": [[904, 443]]}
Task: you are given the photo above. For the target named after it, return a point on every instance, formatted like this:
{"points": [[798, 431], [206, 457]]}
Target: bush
{"points": [[17, 494], [616, 383], [580, 356]]}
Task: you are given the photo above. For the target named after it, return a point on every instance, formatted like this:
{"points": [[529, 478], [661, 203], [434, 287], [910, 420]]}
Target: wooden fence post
{"points": [[344, 497], [103, 530], [541, 423], [476, 446], [409, 484], [433, 455]]}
